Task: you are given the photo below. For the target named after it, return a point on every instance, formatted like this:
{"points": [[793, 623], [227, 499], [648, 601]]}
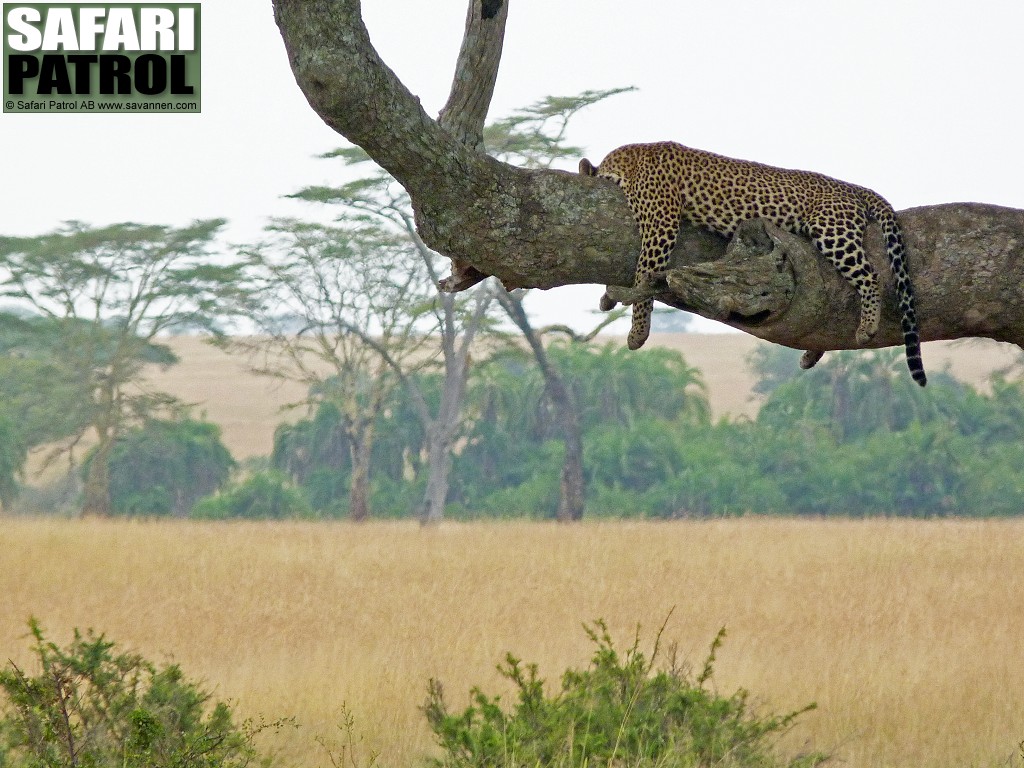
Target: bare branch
{"points": [[584, 338]]}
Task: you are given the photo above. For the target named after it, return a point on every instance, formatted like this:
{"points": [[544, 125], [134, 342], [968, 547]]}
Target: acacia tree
{"points": [[42, 400], [377, 199], [534, 137], [339, 309], [106, 294], [543, 228]]}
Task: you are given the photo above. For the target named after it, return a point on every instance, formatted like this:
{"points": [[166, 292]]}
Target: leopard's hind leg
{"points": [[846, 252]]}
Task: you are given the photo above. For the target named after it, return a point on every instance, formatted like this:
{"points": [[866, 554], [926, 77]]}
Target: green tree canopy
{"points": [[512, 451], [104, 295], [165, 466]]}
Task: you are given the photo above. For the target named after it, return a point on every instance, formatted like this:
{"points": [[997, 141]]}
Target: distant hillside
{"points": [[248, 407]]}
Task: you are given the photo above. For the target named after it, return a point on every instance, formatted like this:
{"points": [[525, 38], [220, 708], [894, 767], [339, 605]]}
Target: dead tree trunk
{"points": [[538, 228]]}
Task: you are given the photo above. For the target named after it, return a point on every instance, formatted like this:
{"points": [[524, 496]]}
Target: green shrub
{"points": [[525, 487], [92, 707], [264, 495], [536, 497], [637, 458], [620, 711], [672, 470], [164, 467]]}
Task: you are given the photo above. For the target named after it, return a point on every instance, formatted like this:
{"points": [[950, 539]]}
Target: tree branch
{"points": [[966, 259], [530, 228], [539, 228], [475, 72]]}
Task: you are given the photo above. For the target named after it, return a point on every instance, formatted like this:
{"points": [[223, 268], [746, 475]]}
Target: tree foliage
{"points": [[105, 294], [854, 436], [314, 453], [510, 451], [261, 496], [861, 440], [515, 441], [165, 466], [44, 397]]}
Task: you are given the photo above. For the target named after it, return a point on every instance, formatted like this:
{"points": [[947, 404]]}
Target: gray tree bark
{"points": [[539, 228], [442, 429]]}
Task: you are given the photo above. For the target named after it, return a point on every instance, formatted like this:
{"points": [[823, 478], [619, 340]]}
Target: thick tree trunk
{"points": [[549, 228], [96, 491]]}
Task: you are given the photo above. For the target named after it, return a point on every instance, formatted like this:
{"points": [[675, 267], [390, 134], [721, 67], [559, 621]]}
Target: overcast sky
{"points": [[920, 100]]}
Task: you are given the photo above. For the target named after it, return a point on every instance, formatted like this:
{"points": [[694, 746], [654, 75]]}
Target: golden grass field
{"points": [[908, 634]]}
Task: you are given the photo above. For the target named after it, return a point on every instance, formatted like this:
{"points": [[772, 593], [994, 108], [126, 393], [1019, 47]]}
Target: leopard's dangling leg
{"points": [[641, 327], [658, 220]]}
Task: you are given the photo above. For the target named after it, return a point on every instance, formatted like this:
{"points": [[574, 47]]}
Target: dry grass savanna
{"points": [[908, 634]]}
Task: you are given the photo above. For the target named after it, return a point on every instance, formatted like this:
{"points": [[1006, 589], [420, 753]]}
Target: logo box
{"points": [[102, 57]]}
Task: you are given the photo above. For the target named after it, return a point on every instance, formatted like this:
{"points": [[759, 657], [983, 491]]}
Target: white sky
{"points": [[920, 100]]}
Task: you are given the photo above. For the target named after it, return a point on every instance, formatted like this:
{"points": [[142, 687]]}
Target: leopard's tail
{"points": [[895, 248]]}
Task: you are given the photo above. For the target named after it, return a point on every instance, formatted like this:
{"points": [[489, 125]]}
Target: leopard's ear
{"points": [[587, 168]]}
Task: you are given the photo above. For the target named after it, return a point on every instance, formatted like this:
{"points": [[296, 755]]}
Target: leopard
{"points": [[665, 182]]}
